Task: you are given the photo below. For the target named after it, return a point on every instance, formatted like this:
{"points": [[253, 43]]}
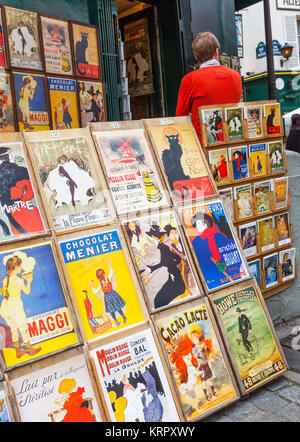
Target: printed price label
{"points": [[115, 125], [54, 133], [165, 121]]}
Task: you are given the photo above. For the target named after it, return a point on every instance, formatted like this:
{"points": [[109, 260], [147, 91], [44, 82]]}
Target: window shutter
{"points": [[291, 37]]}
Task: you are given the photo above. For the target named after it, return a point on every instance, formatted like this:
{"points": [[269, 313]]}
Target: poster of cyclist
{"points": [[247, 329], [181, 158]]}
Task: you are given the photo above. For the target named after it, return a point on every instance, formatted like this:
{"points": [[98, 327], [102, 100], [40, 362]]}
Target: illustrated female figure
{"points": [[152, 192], [271, 272], [12, 308], [65, 111], [258, 164], [287, 267], [27, 93], [283, 232], [112, 300]]}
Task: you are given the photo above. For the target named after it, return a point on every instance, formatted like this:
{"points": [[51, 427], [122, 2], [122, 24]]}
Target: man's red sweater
{"points": [[207, 86]]}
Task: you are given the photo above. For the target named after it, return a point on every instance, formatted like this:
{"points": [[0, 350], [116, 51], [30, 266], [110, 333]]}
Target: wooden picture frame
{"points": [[8, 120]]}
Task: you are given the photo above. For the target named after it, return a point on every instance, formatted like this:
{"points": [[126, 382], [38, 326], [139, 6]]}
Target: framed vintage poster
{"points": [[86, 50], [218, 160], [181, 158], [23, 39], [216, 250], [287, 261], [131, 172], [7, 119], [258, 157], [212, 119], [56, 46], [92, 102], [266, 233], [6, 414], [35, 317], [63, 102], [227, 197], [20, 213], [60, 390], [282, 224], [234, 118], [31, 102], [255, 269], [254, 121], [272, 116], [276, 154], [281, 192], [3, 62], [243, 200], [249, 336], [248, 236], [133, 381], [105, 288], [161, 258], [70, 179], [197, 359], [262, 197], [238, 156], [270, 268]]}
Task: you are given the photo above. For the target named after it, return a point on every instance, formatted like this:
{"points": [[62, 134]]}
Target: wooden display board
{"points": [[70, 179]]}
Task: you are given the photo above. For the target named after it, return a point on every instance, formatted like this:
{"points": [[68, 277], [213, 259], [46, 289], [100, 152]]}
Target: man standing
{"points": [[210, 84], [244, 327]]}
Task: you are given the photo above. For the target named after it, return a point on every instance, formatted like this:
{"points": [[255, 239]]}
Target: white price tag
{"points": [[115, 125], [54, 133], [165, 122]]}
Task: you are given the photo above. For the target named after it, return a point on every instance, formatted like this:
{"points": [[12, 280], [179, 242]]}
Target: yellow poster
{"points": [[102, 285], [63, 103], [258, 156]]}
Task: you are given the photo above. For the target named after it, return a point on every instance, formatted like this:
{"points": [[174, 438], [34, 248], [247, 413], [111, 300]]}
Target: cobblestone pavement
{"points": [[277, 401]]}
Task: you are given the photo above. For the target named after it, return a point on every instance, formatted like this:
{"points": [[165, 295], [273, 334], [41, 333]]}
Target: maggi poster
{"points": [[104, 291], [63, 103]]}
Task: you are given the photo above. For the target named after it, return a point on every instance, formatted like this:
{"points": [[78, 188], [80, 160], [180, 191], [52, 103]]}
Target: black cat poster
{"points": [[86, 51]]}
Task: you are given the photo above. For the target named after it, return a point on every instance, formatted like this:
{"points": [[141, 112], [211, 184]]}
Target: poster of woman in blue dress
{"points": [[239, 159], [214, 244]]}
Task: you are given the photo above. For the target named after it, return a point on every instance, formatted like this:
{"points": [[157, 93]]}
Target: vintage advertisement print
{"points": [[181, 161], [61, 392], [213, 121], [6, 107], [280, 189], [92, 106], [70, 182], [288, 263], [57, 47], [161, 259], [243, 198], [63, 103], [282, 225], [196, 360], [4, 407], [276, 153], [254, 267], [131, 172], [3, 64], [34, 316], [253, 115], [262, 197], [239, 159], [102, 285], [86, 51], [247, 233], [133, 380], [227, 197], [273, 118], [23, 39], [216, 250], [235, 123], [266, 232], [19, 212], [249, 336], [31, 102], [218, 160], [270, 266], [258, 157]]}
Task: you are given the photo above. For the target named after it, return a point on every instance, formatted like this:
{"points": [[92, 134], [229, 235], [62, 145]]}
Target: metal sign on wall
{"points": [[288, 4]]}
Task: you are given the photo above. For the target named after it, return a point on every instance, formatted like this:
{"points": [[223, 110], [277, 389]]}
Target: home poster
{"points": [[32, 109], [249, 336], [92, 103], [63, 103], [215, 247], [131, 172], [86, 51], [182, 163], [35, 319], [104, 291], [70, 182], [133, 380], [6, 107], [19, 212], [161, 259], [61, 392], [196, 360]]}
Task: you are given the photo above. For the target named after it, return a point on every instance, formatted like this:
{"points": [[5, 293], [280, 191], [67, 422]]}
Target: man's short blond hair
{"points": [[204, 46]]}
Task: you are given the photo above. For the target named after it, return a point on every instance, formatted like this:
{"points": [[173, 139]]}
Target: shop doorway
{"points": [[141, 76]]}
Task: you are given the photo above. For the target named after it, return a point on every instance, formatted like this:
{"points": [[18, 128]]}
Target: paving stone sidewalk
{"points": [[277, 401]]}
